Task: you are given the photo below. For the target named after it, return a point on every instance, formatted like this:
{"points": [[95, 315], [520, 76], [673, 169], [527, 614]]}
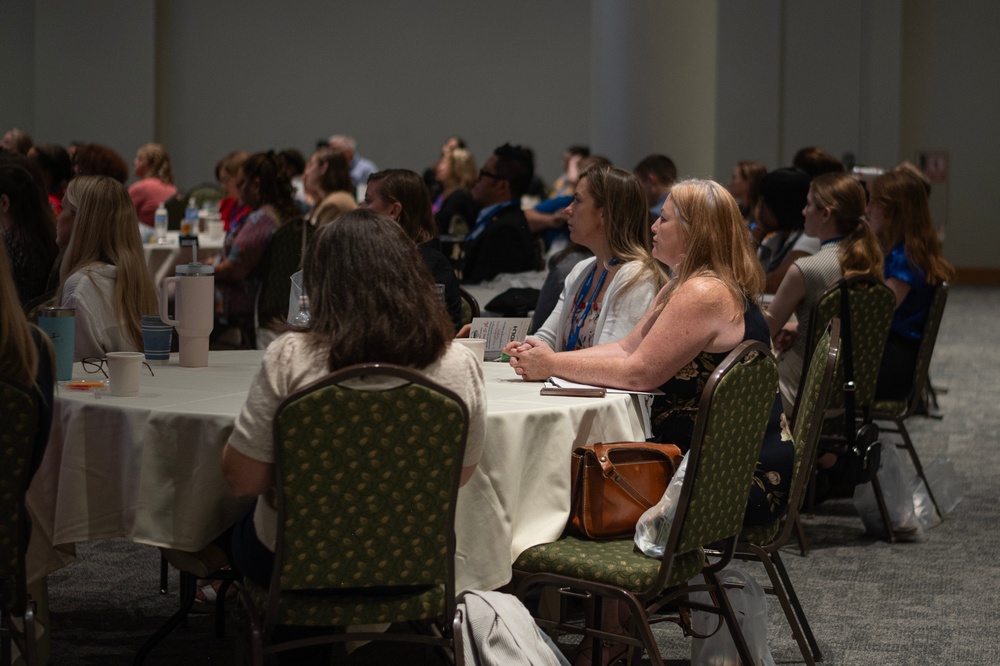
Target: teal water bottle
{"points": [[58, 324]]}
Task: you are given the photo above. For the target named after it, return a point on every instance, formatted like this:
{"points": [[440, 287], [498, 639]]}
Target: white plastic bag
{"points": [[293, 296], [898, 488], [750, 607], [946, 483], [653, 528]]}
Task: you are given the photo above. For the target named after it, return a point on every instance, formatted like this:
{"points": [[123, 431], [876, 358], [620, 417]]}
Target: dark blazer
{"points": [[505, 246]]}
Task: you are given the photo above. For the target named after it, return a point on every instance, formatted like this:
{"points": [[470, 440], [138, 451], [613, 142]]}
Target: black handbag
{"points": [[864, 450]]}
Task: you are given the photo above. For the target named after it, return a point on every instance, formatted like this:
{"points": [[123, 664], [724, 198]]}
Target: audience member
{"points": [[401, 195], [295, 166], [93, 159], [328, 185], [657, 174], [372, 300], [103, 272], [16, 141], [744, 185], [835, 217], [155, 184], [565, 184], [608, 217], [26, 357], [779, 228], [430, 176], [264, 188], [454, 210], [360, 167], [914, 266], [500, 241], [56, 168], [227, 171], [815, 161], [28, 226]]}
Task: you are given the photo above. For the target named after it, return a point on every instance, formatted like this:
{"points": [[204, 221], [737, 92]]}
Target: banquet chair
{"points": [[728, 432], [764, 542], [470, 307], [871, 305], [898, 411], [19, 405], [366, 482]]}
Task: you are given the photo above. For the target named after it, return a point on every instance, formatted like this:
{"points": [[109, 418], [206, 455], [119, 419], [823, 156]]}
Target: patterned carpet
{"points": [[869, 602]]}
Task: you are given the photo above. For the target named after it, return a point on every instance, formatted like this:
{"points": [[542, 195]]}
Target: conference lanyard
{"points": [[574, 336]]}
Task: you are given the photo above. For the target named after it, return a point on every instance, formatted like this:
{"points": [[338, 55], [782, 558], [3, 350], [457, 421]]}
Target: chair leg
{"points": [[883, 509], [164, 574], [908, 445], [793, 599], [742, 649], [778, 589], [30, 644], [187, 585], [800, 536]]}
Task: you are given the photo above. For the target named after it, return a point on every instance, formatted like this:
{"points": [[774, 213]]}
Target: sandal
{"points": [[208, 593]]}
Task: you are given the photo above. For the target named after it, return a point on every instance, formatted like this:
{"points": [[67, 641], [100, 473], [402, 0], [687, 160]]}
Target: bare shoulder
{"points": [[706, 294]]}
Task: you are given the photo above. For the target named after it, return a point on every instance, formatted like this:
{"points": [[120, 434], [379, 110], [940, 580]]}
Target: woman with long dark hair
{"points": [[28, 227]]}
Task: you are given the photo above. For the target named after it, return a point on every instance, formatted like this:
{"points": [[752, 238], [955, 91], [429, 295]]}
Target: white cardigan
{"points": [[96, 330], [620, 310]]}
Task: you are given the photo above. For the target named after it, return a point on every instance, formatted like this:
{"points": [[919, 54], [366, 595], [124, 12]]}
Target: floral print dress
{"points": [[673, 415]]}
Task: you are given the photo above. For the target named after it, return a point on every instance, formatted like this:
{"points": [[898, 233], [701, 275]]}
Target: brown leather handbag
{"points": [[613, 484]]}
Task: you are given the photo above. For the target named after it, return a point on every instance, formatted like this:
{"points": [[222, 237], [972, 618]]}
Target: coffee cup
{"points": [[194, 311], [123, 372], [476, 345], [156, 338]]}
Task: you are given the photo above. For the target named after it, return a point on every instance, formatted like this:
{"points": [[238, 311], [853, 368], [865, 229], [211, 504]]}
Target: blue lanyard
{"points": [[574, 336], [831, 240]]}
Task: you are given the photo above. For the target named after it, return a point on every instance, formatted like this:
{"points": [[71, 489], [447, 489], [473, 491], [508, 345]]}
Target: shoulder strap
{"points": [[848, 356]]}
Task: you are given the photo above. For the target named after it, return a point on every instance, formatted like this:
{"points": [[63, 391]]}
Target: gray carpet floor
{"points": [[870, 602]]}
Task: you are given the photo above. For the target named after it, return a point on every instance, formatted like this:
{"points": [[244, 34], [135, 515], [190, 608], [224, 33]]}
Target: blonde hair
{"points": [[159, 162], [844, 197], [18, 353], [718, 244], [106, 232], [626, 230], [908, 221], [462, 166]]}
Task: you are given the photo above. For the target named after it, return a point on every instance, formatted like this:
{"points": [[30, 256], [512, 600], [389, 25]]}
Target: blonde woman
{"points": [[155, 184], [834, 215], [103, 273], [456, 172], [26, 357]]}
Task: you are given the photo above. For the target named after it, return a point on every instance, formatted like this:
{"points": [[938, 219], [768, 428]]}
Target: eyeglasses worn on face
{"points": [[94, 364], [483, 173]]}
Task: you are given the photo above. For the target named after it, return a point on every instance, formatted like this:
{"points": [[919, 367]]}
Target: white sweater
{"points": [[97, 331]]}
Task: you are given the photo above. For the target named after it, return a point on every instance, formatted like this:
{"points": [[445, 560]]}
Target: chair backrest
{"points": [[927, 342], [367, 466], [470, 307], [807, 419], [19, 407], [728, 434], [282, 258], [872, 305]]}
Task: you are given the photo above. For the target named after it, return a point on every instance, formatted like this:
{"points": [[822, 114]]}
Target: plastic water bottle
{"points": [[160, 224], [302, 317], [190, 225]]}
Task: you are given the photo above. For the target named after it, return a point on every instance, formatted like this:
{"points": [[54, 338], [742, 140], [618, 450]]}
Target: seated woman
{"points": [[155, 184], [834, 215], [28, 226], [227, 172], [263, 187], [701, 315], [327, 183], [779, 224], [56, 168], [744, 185], [454, 210], [603, 297], [371, 299], [26, 357], [103, 273], [402, 195], [899, 213]]}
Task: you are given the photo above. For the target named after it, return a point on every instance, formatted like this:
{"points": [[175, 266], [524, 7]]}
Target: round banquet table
{"points": [[146, 468]]}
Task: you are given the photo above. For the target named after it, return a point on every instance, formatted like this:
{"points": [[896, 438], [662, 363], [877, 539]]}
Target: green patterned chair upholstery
{"points": [[728, 433], [366, 483], [470, 307], [763, 542], [898, 411], [19, 407]]}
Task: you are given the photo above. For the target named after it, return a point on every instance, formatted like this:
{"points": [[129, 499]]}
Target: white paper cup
{"points": [[476, 345], [123, 372], [216, 229]]}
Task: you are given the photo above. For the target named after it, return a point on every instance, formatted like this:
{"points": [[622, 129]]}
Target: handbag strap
{"points": [[610, 472], [848, 353]]}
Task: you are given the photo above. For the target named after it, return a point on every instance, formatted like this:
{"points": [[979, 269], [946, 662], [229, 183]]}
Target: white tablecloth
{"points": [[146, 468]]}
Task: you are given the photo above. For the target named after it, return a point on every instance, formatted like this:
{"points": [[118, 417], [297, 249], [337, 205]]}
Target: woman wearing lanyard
{"points": [[834, 214], [606, 295]]}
